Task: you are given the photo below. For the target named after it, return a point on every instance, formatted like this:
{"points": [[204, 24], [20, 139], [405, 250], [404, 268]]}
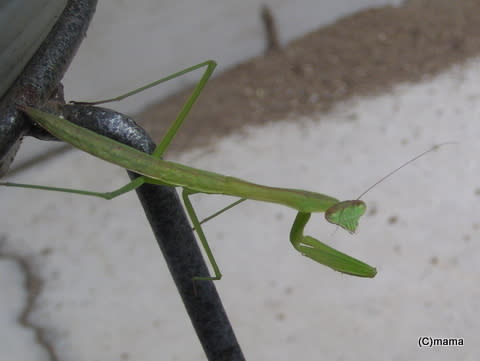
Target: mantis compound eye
{"points": [[346, 214]]}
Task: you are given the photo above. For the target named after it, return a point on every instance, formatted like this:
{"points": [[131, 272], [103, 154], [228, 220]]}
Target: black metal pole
{"points": [[35, 86], [174, 236]]}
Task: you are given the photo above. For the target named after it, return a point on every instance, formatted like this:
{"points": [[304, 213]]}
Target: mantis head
{"points": [[346, 214]]}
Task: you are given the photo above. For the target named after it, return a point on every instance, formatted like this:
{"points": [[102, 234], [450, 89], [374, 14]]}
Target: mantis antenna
{"points": [[347, 213], [434, 148]]}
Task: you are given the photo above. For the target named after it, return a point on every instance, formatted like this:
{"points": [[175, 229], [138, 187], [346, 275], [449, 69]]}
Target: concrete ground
{"points": [[100, 293]]}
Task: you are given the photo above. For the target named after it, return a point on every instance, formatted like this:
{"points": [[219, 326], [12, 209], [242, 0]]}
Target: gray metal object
{"points": [[41, 76], [25, 25]]}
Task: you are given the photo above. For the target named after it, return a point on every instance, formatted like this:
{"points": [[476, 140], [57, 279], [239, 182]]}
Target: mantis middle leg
{"points": [[198, 228]]}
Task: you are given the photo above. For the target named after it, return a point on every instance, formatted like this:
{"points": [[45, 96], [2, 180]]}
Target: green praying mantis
{"points": [[155, 170]]}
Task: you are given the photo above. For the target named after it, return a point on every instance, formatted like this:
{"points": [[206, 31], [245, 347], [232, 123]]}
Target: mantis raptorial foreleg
{"points": [[326, 255]]}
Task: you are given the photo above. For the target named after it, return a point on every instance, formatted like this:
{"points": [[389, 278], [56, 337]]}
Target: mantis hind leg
{"points": [[159, 150], [326, 255], [167, 139], [203, 240], [105, 195]]}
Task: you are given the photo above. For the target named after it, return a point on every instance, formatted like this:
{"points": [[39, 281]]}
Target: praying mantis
{"points": [[155, 170]]}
